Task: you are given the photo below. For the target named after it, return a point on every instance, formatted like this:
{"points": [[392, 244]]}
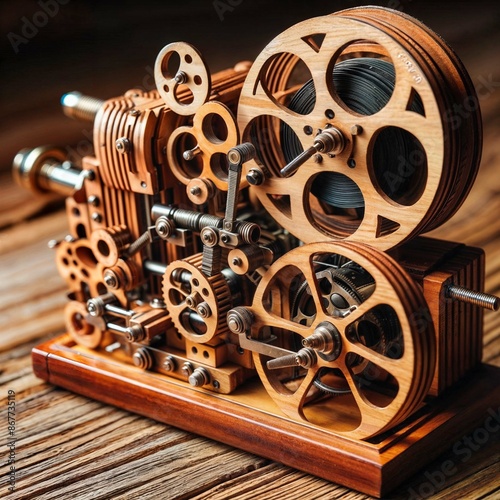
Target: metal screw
{"points": [[169, 363], [187, 368], [255, 177], [480, 299], [134, 112], [224, 238], [195, 191], [97, 217], [89, 174], [236, 261], [164, 227], [191, 153], [318, 158], [142, 358], [239, 319], [204, 310], [93, 200], [123, 145], [199, 377], [139, 244], [80, 107], [180, 77], [111, 279]]}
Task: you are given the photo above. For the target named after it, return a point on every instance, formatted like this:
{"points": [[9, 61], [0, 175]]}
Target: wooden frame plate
{"points": [[249, 420]]}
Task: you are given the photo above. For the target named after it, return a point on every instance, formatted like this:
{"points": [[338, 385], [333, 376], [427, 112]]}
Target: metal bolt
{"points": [[135, 333], [94, 201], [52, 244], [142, 358], [187, 368], [199, 377], [180, 77], [97, 217], [209, 236], [191, 153], [240, 319], [224, 238], [134, 112], [164, 227], [123, 145], [157, 303], [111, 280], [92, 308], [480, 299], [255, 177], [318, 158], [195, 191], [169, 363], [89, 174], [204, 310], [237, 261], [306, 358]]}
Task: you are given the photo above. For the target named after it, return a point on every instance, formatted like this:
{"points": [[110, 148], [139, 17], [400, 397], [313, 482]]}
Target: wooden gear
{"points": [[249, 243]]}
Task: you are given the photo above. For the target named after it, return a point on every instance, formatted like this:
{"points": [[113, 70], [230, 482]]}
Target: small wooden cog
{"points": [[198, 304]]}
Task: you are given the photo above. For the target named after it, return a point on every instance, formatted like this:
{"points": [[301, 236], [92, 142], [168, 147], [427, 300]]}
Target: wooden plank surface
{"points": [[72, 447]]}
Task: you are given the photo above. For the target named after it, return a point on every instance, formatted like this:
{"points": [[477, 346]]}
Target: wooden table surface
{"points": [[72, 447]]}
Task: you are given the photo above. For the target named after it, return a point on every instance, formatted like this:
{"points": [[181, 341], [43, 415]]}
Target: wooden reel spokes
{"points": [[197, 153], [198, 304], [388, 178], [182, 78], [356, 366]]}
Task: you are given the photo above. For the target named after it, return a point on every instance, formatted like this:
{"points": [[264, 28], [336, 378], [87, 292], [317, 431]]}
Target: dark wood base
{"points": [[249, 420]]}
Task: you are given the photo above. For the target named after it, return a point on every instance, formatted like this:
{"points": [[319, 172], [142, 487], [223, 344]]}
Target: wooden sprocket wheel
{"points": [[185, 289], [426, 70], [360, 415]]}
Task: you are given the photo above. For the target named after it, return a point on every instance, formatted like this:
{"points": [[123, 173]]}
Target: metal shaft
{"points": [[45, 169]]}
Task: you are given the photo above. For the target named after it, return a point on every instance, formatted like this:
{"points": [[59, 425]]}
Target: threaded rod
{"points": [[480, 299], [80, 107]]}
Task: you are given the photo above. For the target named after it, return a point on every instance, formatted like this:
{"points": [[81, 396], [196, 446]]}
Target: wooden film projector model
{"points": [[244, 257]]}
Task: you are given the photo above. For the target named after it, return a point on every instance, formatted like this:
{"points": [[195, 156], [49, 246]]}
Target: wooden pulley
{"points": [[182, 78], [347, 113], [342, 338], [197, 154]]}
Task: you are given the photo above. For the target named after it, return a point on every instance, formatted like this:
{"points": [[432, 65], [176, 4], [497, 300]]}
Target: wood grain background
{"points": [[72, 447]]}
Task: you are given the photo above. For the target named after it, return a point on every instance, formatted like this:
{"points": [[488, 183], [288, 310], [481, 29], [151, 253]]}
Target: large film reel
{"points": [[356, 325], [379, 85]]}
